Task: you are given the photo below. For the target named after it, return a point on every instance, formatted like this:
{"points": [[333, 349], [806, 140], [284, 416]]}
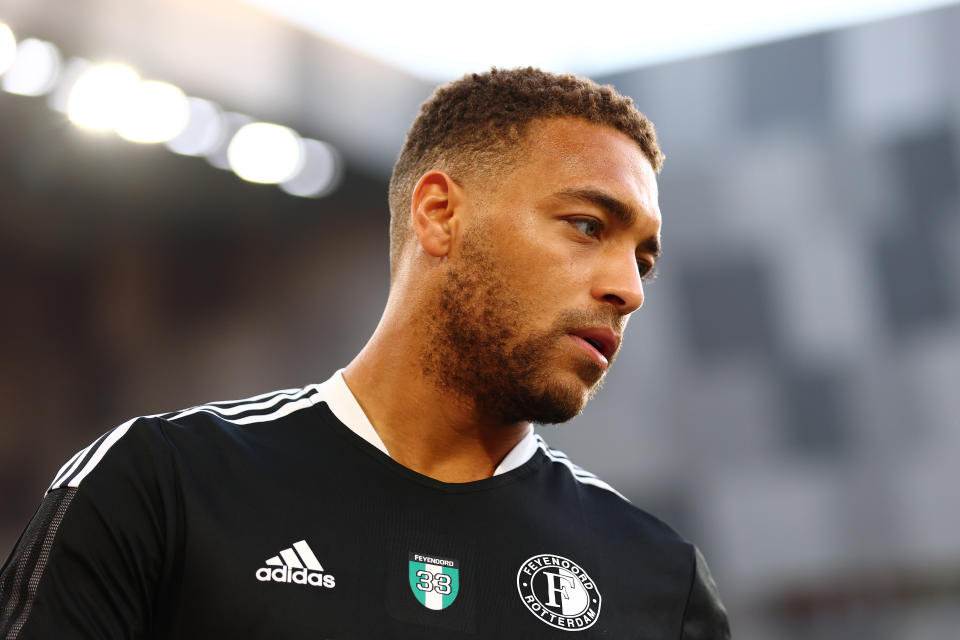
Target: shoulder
{"points": [[578, 473], [606, 503], [632, 534], [152, 437], [266, 407]]}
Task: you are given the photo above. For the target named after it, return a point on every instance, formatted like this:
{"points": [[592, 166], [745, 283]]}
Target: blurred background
{"points": [[789, 396]]}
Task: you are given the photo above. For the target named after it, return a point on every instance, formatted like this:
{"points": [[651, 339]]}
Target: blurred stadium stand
{"points": [[788, 396]]}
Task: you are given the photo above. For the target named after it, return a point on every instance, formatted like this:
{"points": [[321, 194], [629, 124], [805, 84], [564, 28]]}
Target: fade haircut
{"points": [[470, 128]]}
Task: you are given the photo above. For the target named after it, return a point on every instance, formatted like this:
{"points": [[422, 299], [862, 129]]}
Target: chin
{"points": [[561, 400], [586, 375]]}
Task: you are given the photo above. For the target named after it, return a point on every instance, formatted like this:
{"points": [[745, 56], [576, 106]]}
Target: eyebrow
{"points": [[622, 212]]}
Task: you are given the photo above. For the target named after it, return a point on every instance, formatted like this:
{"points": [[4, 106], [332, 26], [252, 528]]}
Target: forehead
{"points": [[569, 153]]}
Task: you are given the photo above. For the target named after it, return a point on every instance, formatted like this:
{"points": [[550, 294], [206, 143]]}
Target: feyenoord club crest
{"points": [[559, 592], [434, 581]]}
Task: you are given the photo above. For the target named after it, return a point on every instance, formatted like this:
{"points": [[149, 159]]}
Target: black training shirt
{"points": [[282, 516]]}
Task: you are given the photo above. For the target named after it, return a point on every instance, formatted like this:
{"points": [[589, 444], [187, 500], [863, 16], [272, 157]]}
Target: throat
{"points": [[436, 434], [454, 457]]}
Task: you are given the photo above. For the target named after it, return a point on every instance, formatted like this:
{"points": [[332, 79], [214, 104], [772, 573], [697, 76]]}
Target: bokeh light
{"points": [[204, 130], [35, 69], [230, 123], [8, 47], [153, 112], [113, 97], [100, 95], [266, 153], [320, 173], [73, 70]]}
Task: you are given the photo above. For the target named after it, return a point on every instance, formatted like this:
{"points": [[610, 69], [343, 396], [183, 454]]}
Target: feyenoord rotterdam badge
{"points": [[559, 592], [435, 581]]}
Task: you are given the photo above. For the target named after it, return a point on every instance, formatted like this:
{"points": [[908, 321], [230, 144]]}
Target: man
{"points": [[407, 496]]}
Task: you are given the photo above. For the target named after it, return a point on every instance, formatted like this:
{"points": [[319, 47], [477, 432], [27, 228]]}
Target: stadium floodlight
{"points": [[8, 47], [153, 112], [320, 173], [266, 153], [204, 130], [98, 97], [35, 69]]}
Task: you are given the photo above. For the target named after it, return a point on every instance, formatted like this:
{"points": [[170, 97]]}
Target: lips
{"points": [[603, 339]]}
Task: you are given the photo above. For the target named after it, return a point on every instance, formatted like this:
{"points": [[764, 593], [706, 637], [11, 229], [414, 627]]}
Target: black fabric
{"points": [[21, 573], [705, 616], [194, 526]]}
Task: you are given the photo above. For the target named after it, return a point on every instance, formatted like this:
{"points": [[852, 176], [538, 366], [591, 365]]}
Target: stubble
{"points": [[479, 350]]}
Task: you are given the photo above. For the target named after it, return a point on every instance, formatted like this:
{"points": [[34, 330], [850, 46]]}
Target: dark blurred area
{"points": [[787, 397]]}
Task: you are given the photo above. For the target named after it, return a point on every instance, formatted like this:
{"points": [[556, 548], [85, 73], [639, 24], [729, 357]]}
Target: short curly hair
{"points": [[470, 128]]}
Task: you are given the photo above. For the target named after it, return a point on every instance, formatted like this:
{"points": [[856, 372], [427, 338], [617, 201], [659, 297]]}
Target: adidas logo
{"points": [[297, 565]]}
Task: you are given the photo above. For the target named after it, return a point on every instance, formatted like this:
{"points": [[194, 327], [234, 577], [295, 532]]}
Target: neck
{"points": [[432, 431]]}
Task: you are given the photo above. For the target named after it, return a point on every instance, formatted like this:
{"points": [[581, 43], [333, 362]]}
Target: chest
{"points": [[372, 557]]}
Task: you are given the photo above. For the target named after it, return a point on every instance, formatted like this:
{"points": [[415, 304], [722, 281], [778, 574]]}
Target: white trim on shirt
{"points": [[345, 407]]}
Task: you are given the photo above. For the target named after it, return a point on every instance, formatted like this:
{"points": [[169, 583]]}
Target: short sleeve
{"points": [[705, 617], [91, 561]]}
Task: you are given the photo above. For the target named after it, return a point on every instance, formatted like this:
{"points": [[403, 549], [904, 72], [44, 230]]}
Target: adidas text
{"points": [[296, 576]]}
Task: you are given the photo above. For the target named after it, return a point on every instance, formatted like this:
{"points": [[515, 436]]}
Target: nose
{"points": [[619, 283]]}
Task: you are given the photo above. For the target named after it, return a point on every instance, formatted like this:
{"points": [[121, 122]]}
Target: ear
{"points": [[435, 210]]}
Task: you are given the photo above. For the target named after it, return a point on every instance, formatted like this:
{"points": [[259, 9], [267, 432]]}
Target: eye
{"points": [[648, 272], [590, 227]]}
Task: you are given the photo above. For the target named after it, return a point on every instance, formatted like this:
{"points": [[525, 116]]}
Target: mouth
{"points": [[601, 339]]}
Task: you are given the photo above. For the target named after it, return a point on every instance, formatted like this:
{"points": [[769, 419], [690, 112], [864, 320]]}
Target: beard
{"points": [[478, 348]]}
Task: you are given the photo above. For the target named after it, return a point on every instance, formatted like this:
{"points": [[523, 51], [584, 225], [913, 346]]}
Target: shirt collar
{"points": [[345, 407]]}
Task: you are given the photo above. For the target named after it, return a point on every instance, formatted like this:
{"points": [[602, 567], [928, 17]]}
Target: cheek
{"points": [[548, 286], [542, 271]]}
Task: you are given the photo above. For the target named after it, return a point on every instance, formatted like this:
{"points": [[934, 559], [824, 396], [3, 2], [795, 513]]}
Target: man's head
{"points": [[525, 250], [473, 129]]}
